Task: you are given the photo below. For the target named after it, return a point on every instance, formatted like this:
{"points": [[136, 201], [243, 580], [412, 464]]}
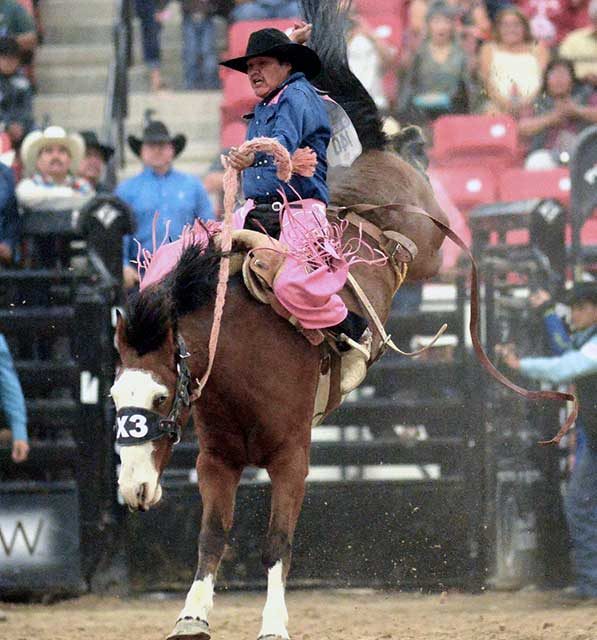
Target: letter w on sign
{"points": [[31, 545]]}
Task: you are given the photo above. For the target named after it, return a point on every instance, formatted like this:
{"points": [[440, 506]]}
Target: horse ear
{"points": [[120, 334], [169, 345]]}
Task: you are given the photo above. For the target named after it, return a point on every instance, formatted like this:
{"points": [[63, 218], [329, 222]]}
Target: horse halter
{"points": [[135, 425]]}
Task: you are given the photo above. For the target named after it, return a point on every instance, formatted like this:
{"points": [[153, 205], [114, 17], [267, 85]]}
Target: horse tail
{"points": [[328, 40], [195, 278]]}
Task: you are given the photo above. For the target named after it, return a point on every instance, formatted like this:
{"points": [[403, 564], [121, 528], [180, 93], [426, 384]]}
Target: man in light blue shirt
{"points": [[576, 361], [178, 198], [13, 404]]}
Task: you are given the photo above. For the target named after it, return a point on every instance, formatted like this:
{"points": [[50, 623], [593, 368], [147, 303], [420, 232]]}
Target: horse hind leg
{"points": [[218, 482], [287, 473]]}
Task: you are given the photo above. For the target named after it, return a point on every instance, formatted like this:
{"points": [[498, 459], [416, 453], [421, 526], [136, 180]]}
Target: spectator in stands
{"points": [[9, 216], [17, 23], [369, 57], [511, 67], [93, 165], [13, 404], [563, 110], [51, 159], [16, 94], [151, 13], [264, 10], [551, 20], [576, 362], [179, 198], [580, 46], [199, 49], [438, 79]]}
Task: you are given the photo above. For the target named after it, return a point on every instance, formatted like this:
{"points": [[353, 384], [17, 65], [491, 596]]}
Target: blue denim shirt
{"points": [[9, 215], [568, 365], [178, 197], [296, 116], [11, 395]]}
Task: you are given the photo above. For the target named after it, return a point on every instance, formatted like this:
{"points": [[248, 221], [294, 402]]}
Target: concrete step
{"points": [[196, 114], [95, 54], [93, 78], [98, 30], [59, 12]]}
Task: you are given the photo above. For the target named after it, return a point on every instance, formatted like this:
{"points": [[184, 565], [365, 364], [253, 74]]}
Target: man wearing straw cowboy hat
{"points": [[179, 198], [50, 161], [292, 112]]}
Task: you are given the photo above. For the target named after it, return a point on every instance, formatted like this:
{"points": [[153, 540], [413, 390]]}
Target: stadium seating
{"points": [[521, 184], [468, 186], [370, 8], [237, 98], [475, 140], [233, 134], [239, 32]]}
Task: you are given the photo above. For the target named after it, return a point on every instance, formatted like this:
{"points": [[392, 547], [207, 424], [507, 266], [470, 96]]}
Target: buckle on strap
{"points": [[169, 427], [398, 246]]}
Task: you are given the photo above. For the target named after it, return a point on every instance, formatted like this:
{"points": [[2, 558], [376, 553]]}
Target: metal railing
{"points": [[116, 105]]}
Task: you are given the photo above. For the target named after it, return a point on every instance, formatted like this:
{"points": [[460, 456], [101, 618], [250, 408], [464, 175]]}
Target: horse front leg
{"points": [[287, 473], [218, 482]]}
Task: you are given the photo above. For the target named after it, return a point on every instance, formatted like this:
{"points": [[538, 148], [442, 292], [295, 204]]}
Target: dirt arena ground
{"points": [[314, 615]]}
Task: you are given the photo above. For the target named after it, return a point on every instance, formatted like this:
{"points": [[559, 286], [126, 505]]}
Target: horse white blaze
{"points": [[200, 599], [139, 479], [275, 614]]}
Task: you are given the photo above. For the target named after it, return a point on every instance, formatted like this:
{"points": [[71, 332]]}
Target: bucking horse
{"points": [[263, 393]]}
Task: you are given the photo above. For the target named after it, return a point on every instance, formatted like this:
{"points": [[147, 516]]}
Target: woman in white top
{"points": [[511, 66]]}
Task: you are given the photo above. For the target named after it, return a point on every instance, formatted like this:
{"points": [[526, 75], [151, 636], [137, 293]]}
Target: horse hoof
{"points": [[190, 629], [271, 636]]}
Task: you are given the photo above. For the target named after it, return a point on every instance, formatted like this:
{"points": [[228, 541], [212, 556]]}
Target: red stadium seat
{"points": [[369, 8], [27, 5], [468, 186], [521, 184], [233, 134], [239, 32], [469, 140], [237, 97]]}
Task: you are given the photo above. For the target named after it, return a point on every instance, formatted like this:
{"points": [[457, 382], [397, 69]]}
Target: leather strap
{"points": [[386, 340], [474, 321]]}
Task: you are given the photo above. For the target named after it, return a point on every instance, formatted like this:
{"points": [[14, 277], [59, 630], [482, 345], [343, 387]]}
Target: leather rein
{"points": [[404, 251]]}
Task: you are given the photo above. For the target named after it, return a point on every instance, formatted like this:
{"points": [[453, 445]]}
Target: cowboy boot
{"points": [[354, 361]]}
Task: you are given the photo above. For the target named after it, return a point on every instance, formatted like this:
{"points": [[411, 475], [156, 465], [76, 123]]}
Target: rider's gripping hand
{"points": [[238, 160]]}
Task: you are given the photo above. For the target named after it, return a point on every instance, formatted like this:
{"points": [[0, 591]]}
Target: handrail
{"points": [[116, 105]]}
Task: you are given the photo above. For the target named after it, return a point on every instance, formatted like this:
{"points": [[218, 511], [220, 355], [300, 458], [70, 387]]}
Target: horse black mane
{"points": [[328, 40], [194, 280], [148, 319], [151, 313]]}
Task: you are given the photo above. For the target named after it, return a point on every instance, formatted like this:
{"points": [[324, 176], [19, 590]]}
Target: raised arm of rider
{"points": [[301, 32]]}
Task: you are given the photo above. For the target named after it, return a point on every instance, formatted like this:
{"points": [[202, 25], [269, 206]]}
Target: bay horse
{"points": [[257, 406]]}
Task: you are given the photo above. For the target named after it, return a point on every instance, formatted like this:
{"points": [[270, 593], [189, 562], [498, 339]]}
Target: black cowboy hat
{"points": [[276, 44], [581, 292], [156, 132], [92, 142]]}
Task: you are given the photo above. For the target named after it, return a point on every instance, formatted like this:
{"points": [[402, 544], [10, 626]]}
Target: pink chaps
{"points": [[307, 291]]}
